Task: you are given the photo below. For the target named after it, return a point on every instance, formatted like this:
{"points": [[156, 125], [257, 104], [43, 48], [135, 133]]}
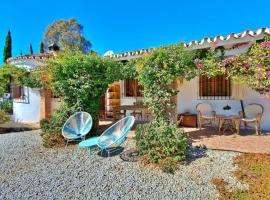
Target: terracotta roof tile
{"points": [[204, 43], [39, 56]]}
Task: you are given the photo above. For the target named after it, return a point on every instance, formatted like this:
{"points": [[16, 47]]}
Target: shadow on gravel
{"points": [[195, 153], [113, 152], [131, 155], [15, 129]]}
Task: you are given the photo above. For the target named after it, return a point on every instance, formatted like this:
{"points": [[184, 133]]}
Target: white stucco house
{"points": [[37, 103], [30, 105], [193, 92]]}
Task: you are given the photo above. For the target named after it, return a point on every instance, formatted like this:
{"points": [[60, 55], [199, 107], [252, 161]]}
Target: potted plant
{"points": [[227, 109]]}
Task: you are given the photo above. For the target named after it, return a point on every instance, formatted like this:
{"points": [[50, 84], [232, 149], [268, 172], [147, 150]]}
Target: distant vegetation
{"points": [[8, 47], [68, 34]]}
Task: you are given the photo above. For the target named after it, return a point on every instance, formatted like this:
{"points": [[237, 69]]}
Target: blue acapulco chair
{"points": [[116, 134], [77, 126]]}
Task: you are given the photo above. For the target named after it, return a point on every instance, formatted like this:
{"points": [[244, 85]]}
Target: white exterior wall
{"points": [[188, 98], [28, 112]]}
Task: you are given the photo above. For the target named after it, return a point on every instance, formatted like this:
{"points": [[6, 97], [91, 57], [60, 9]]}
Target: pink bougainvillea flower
{"points": [[267, 74], [228, 61], [246, 66], [260, 66], [266, 44]]}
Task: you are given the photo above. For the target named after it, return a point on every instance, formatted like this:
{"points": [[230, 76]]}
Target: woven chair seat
{"points": [[248, 119]]}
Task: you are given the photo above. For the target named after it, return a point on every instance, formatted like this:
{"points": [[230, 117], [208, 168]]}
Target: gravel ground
{"points": [[29, 171]]}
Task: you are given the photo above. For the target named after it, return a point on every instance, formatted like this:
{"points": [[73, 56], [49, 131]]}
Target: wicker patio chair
{"points": [[253, 115], [205, 114]]}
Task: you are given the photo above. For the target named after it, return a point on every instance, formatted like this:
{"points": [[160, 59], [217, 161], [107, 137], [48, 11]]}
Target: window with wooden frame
{"points": [[19, 94], [217, 87], [132, 88]]}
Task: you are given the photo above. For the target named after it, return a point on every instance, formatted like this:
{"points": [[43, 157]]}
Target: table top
{"points": [[228, 116]]}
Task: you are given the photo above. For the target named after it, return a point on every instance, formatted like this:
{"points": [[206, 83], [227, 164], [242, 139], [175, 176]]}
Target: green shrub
{"points": [[51, 129], [6, 106], [156, 73], [7, 73], [168, 165], [3, 117], [163, 143], [82, 80]]}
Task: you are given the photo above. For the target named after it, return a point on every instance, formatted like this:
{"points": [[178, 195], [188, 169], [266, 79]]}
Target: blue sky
{"points": [[128, 25]]}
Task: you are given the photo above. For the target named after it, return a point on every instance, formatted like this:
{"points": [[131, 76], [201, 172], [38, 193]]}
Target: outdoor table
{"points": [[132, 108], [228, 123], [91, 142]]}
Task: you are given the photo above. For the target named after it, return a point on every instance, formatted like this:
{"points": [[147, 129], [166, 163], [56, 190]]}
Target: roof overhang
{"points": [[30, 62], [246, 37]]}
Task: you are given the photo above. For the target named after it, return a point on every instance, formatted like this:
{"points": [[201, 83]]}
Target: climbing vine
{"points": [[157, 71], [82, 80], [160, 140], [252, 68], [8, 74]]}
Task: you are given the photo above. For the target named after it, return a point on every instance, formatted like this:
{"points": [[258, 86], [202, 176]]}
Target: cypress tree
{"points": [[31, 49], [8, 47], [41, 47]]}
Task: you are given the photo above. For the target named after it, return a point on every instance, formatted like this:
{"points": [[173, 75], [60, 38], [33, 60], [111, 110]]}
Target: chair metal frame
{"points": [[118, 141], [80, 136]]}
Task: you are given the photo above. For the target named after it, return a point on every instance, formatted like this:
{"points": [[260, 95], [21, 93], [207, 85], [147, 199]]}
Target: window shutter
{"points": [[217, 86], [16, 91]]}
